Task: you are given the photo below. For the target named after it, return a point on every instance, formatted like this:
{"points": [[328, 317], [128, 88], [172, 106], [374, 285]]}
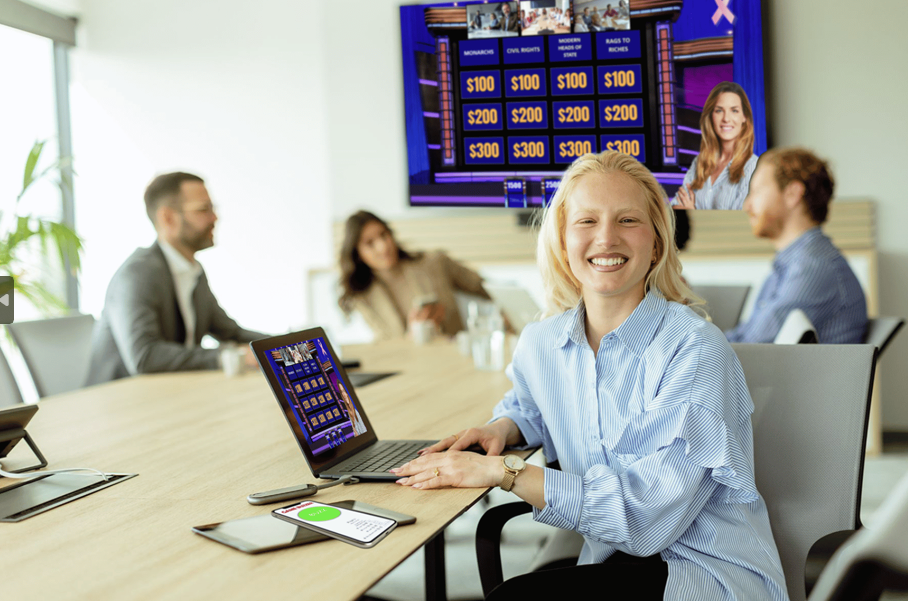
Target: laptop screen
{"points": [[313, 390]]}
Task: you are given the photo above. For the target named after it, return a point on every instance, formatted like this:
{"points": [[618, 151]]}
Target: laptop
{"points": [[326, 417], [516, 303]]}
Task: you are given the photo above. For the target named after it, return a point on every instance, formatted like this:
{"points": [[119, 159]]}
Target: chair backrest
{"points": [[881, 331], [9, 390], [874, 559], [516, 303], [811, 405], [796, 329], [57, 351], [723, 303]]}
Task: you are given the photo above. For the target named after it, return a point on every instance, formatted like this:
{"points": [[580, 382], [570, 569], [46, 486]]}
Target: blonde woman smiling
{"points": [[641, 401]]}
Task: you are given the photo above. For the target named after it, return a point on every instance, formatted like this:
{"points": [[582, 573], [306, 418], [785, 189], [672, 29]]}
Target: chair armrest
{"points": [[488, 542], [819, 555]]}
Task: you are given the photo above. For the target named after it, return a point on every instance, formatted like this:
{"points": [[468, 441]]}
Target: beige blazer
{"points": [[434, 273]]}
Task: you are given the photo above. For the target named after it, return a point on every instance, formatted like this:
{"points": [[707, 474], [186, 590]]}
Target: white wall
{"points": [[838, 83], [261, 99], [231, 91], [366, 115]]}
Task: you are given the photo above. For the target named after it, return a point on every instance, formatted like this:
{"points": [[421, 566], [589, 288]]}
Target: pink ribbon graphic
{"points": [[723, 11]]}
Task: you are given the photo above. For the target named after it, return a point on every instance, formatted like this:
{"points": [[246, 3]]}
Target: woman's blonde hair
{"points": [[710, 146], [562, 289]]}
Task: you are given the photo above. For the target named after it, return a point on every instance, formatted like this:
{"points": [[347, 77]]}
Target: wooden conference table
{"points": [[200, 443]]}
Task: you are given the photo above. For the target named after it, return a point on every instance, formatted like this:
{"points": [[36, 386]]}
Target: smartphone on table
{"points": [[262, 533], [356, 528]]}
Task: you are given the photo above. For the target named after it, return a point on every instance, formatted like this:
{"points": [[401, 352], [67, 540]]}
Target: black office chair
{"points": [[874, 560], [809, 438]]}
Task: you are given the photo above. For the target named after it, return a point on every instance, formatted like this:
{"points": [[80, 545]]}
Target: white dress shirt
{"points": [[186, 276]]}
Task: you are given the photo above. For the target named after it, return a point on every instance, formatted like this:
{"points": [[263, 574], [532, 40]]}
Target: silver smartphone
{"points": [[357, 528], [263, 533]]}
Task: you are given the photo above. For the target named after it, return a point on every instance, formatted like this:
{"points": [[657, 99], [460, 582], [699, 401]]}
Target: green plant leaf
{"points": [[28, 178], [68, 243], [38, 296]]}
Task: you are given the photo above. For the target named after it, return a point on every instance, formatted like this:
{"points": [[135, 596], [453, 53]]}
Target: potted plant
{"points": [[23, 234]]}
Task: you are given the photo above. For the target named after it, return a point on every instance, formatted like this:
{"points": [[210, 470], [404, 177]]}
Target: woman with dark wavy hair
{"points": [[720, 175], [393, 288]]}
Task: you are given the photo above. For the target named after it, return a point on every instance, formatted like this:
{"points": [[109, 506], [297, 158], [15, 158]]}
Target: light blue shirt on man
{"points": [[655, 444], [809, 274]]}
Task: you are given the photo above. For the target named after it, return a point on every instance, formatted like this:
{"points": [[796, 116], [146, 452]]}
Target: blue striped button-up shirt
{"points": [[812, 275], [655, 443], [721, 194]]}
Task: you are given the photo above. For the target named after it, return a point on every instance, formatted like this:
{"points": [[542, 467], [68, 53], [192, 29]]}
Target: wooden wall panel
{"points": [[497, 238]]}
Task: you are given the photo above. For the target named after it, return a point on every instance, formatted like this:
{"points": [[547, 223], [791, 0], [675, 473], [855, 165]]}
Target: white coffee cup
{"points": [[423, 331], [231, 360]]}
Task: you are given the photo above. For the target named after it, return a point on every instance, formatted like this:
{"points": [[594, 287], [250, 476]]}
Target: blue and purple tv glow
{"points": [[639, 91]]}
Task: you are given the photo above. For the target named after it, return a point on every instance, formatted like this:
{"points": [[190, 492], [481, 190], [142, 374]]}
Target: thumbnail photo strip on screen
{"points": [[494, 20], [601, 15], [545, 17]]}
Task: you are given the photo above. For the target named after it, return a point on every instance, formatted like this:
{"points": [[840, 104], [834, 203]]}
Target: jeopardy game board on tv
{"points": [[499, 100]]}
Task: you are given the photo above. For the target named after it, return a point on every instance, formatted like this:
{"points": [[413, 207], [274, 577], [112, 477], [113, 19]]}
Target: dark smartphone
{"points": [[263, 533]]}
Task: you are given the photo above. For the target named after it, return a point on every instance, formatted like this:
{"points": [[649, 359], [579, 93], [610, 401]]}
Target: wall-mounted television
{"points": [[500, 91]]}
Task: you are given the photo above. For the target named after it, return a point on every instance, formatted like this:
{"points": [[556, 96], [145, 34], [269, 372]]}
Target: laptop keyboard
{"points": [[384, 457]]}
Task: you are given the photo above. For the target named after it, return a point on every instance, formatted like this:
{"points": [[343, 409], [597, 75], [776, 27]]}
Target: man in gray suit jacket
{"points": [[158, 304]]}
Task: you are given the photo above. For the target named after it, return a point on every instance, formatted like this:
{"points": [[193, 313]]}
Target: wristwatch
{"points": [[513, 465]]}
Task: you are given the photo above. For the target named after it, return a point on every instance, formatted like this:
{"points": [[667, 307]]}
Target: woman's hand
{"points": [[491, 437], [434, 312], [685, 198], [454, 469]]}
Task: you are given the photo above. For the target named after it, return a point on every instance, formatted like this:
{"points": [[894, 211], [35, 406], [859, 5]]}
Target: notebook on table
{"points": [[320, 405]]}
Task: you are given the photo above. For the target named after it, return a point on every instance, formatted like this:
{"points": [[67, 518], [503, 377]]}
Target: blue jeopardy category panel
{"points": [[528, 115], [523, 50], [524, 150], [572, 81], [483, 151], [568, 148], [630, 144], [520, 83], [611, 45], [482, 117], [541, 102], [476, 85], [621, 112], [571, 47], [619, 79], [573, 114], [478, 53]]}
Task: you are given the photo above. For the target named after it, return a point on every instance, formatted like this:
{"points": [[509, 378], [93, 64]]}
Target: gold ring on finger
{"points": [[436, 472]]}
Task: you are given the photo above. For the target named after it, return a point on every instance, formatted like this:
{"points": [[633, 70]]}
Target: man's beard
{"points": [[196, 240]]}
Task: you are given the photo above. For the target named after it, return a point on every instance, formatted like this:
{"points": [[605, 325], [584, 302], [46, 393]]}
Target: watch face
{"points": [[514, 462]]}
